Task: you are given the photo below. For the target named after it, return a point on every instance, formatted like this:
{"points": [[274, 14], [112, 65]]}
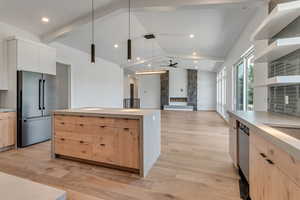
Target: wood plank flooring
{"points": [[194, 165]]}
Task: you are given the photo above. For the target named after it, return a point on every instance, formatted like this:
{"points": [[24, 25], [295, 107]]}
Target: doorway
{"points": [[63, 74]]}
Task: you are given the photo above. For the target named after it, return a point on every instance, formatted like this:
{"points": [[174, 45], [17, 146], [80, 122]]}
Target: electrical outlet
{"points": [[286, 100]]}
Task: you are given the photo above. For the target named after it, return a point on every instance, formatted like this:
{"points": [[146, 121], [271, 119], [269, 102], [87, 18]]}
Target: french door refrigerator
{"points": [[36, 99]]}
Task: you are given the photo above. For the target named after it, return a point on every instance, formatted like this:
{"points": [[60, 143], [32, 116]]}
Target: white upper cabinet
{"points": [[34, 57], [47, 60], [27, 56]]}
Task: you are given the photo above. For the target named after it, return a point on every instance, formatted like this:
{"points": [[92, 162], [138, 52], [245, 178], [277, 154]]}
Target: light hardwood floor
{"points": [[194, 165]]}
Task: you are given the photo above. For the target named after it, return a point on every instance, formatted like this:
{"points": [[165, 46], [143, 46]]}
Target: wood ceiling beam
{"points": [[120, 6]]}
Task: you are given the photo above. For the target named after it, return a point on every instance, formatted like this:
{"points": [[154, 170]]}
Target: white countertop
{"points": [[3, 110], [15, 188], [107, 111], [263, 123]]}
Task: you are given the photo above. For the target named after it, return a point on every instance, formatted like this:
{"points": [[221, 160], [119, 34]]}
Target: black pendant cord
{"points": [[93, 47], [129, 49]]}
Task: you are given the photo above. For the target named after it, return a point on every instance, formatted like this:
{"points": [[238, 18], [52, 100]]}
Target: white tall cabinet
{"points": [[23, 55], [3, 67]]}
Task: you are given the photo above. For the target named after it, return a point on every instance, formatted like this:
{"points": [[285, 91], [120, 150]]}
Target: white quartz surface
{"points": [[262, 123], [7, 110], [15, 188], [107, 111]]}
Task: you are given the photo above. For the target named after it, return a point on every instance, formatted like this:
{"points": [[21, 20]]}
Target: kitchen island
{"points": [[126, 139]]}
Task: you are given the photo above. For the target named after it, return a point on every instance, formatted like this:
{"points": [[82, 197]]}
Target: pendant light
{"points": [[93, 47], [129, 49]]}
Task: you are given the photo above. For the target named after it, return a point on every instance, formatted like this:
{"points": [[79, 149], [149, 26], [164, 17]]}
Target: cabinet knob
{"points": [[81, 125], [81, 142], [270, 161], [102, 126], [103, 145], [126, 129], [62, 139], [263, 155], [62, 123]]}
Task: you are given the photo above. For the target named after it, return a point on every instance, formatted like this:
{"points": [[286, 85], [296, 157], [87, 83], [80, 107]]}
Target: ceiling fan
{"points": [[171, 64]]}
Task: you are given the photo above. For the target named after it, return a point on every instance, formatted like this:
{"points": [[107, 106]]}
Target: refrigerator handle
{"points": [[44, 94], [40, 87]]}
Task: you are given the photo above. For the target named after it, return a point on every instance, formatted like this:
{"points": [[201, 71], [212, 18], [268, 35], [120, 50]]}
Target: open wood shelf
{"points": [[279, 18], [278, 49]]}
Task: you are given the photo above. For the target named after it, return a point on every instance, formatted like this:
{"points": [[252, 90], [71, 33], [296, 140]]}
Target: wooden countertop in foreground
{"points": [[263, 123], [107, 111]]}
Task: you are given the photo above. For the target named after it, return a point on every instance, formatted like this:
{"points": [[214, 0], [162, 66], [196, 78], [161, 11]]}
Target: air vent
{"points": [[149, 36]]}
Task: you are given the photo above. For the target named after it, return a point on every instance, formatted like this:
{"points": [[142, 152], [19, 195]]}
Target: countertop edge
{"points": [[7, 110], [106, 113], [286, 143]]}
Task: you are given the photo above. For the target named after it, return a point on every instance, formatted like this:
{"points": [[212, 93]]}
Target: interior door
{"points": [[30, 91], [49, 94]]}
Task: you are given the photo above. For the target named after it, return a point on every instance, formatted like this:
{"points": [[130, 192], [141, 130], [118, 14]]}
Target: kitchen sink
{"points": [[293, 132]]}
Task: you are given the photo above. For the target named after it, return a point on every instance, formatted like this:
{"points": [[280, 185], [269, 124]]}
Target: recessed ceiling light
{"points": [[138, 58], [116, 46], [196, 61], [194, 53], [149, 65], [142, 61], [196, 67], [192, 35], [45, 20]]}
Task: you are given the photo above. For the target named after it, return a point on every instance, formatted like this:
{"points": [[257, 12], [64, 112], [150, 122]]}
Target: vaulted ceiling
{"points": [[216, 25]]}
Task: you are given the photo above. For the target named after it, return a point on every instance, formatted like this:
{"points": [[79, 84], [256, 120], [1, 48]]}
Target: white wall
{"points": [[178, 82], [95, 85], [207, 90], [241, 46], [149, 91]]}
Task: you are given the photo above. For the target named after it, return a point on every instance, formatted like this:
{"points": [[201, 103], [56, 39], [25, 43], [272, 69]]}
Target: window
{"points": [[221, 92], [244, 79]]}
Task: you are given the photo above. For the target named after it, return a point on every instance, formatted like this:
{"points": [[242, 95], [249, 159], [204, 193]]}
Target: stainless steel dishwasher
{"points": [[244, 150]]}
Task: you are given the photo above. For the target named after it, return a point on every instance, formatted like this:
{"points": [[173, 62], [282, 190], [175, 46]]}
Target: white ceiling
{"points": [[216, 27], [27, 14]]}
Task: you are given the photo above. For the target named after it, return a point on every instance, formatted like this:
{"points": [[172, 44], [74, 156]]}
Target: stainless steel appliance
{"points": [[36, 98], [244, 150]]}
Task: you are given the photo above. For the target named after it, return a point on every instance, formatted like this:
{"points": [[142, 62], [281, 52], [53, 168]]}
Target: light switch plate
{"points": [[286, 99]]}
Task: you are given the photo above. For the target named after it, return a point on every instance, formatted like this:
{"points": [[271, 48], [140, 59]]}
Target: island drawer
{"points": [[280, 158], [73, 148], [126, 123], [84, 120], [74, 136]]}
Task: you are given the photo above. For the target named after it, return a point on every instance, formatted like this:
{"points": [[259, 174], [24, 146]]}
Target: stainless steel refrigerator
{"points": [[36, 98]]}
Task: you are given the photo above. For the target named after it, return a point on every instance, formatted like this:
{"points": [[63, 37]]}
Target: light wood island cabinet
{"points": [[110, 140]]}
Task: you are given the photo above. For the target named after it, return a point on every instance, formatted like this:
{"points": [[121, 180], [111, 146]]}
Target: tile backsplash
{"points": [[285, 99]]}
